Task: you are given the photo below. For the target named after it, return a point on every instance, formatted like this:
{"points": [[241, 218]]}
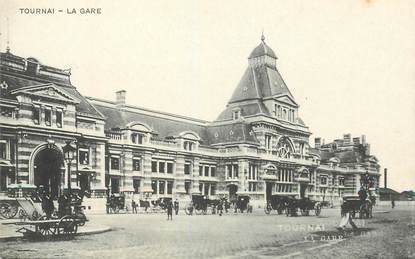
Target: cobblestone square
{"points": [[387, 235]]}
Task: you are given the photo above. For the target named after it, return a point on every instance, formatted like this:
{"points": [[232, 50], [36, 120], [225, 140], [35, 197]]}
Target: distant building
{"points": [[258, 145]]}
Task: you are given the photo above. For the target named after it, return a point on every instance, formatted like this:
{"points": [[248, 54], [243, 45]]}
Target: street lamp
{"points": [[69, 154]]}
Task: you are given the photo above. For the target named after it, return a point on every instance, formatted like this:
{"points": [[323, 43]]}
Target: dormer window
{"points": [[48, 116], [59, 118], [84, 156], [236, 114], [341, 181], [36, 114], [137, 138], [188, 145]]}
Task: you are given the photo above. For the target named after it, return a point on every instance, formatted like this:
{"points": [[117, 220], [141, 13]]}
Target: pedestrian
{"points": [[134, 206], [169, 210], [220, 208], [176, 206], [393, 203]]}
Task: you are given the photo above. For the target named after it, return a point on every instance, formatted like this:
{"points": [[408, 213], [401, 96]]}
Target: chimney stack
{"points": [[346, 139], [363, 139], [385, 175], [317, 142], [356, 141], [120, 97]]}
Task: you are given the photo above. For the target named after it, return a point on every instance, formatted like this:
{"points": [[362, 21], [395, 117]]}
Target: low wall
{"points": [[397, 203]]}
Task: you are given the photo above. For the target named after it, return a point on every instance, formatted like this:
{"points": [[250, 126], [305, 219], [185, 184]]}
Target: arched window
{"points": [[284, 148]]}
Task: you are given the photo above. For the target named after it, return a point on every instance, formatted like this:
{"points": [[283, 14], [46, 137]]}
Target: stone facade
{"points": [[258, 146]]}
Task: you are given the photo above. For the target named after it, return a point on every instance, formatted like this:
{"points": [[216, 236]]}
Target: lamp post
{"points": [[69, 154]]}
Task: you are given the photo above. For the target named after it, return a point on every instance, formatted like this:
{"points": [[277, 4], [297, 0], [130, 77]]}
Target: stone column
{"points": [[243, 174], [179, 190], [195, 176], [147, 173]]}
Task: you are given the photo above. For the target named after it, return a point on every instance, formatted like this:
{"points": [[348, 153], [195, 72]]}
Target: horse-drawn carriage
{"points": [[115, 203], [291, 205], [40, 219], [305, 205], [242, 204], [277, 203], [355, 204], [201, 205]]}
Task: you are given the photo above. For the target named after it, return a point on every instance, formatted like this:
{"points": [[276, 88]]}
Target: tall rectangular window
{"points": [[115, 163], [161, 167], [36, 114], [207, 171], [162, 185], [213, 189], [268, 143], [169, 168], [59, 118], [84, 156], [169, 187], [200, 170], [154, 166], [186, 168], [201, 187], [236, 171], [213, 171], [207, 187], [3, 150], [154, 186], [136, 164], [136, 185], [187, 185], [48, 116]]}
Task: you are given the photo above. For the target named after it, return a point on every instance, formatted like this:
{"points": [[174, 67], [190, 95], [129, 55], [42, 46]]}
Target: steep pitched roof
{"points": [[258, 83], [15, 82]]}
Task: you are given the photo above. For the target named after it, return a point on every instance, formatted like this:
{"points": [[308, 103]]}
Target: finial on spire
{"points": [[262, 36]]}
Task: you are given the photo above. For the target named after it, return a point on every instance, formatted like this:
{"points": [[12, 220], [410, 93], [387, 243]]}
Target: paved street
{"points": [[388, 235]]}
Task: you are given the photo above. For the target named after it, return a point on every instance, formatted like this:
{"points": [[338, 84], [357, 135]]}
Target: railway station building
{"points": [[257, 146]]}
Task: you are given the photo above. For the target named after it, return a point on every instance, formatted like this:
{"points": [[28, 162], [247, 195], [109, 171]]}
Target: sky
{"points": [[350, 64]]}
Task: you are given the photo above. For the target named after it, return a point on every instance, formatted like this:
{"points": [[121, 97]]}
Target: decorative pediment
{"points": [[287, 99], [46, 91]]}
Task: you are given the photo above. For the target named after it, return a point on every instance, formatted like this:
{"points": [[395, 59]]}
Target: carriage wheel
{"points": [[8, 210], [304, 212], [116, 209], [267, 210], [187, 211], [67, 226], [280, 211], [45, 229], [198, 211]]}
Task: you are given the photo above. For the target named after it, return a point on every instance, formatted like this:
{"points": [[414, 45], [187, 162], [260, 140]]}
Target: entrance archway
{"points": [[232, 192], [47, 170]]}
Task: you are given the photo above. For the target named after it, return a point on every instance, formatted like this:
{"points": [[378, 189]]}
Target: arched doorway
{"points": [[47, 170], [232, 192]]}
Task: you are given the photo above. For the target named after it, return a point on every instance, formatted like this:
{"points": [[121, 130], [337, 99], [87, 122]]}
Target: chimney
{"points": [[363, 139], [120, 97], [385, 175], [317, 142], [346, 139], [356, 141]]}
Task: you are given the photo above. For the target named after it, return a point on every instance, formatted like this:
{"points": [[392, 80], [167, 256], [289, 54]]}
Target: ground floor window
{"points": [[187, 187], [253, 187], [115, 185], [169, 187], [136, 185]]}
